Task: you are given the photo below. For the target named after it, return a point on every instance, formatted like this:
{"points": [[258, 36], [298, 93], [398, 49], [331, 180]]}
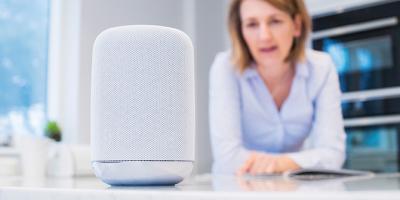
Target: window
{"points": [[24, 28]]}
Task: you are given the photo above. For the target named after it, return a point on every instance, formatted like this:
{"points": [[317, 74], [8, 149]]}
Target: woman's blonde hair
{"points": [[241, 56]]}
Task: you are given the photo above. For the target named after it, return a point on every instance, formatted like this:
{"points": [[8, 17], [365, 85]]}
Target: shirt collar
{"points": [[250, 72], [302, 70]]}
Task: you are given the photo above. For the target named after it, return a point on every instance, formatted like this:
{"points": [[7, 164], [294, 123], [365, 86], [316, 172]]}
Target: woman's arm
{"points": [[224, 113], [264, 163], [327, 137]]}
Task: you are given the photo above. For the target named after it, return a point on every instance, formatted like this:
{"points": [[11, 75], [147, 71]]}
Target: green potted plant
{"points": [[53, 131]]}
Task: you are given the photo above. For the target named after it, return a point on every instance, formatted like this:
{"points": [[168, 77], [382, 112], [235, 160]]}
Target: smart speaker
{"points": [[142, 106]]}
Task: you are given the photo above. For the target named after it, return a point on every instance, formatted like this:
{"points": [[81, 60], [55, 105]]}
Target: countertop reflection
{"points": [[378, 182], [207, 186]]}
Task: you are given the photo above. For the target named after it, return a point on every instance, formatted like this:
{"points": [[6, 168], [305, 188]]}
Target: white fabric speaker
{"points": [[142, 106]]}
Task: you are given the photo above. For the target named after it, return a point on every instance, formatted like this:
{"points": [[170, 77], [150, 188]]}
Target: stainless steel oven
{"points": [[373, 144], [365, 46]]}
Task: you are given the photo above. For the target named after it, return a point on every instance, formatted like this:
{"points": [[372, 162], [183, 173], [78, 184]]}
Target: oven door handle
{"points": [[371, 121], [367, 95], [355, 28]]}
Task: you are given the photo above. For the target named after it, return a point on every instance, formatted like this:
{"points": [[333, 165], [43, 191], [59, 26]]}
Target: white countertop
{"points": [[384, 186]]}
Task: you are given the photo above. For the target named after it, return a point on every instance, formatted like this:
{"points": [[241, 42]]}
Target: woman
{"points": [[274, 106]]}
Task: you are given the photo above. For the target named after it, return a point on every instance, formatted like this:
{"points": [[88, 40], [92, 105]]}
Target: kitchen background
{"points": [[45, 64]]}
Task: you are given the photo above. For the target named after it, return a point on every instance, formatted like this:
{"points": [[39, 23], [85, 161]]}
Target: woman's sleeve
{"points": [[327, 137], [229, 153]]}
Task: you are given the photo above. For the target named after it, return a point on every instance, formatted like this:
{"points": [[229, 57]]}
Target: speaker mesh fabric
{"points": [[143, 100]]}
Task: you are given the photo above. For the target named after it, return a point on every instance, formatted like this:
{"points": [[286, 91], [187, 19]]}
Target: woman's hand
{"points": [[262, 163]]}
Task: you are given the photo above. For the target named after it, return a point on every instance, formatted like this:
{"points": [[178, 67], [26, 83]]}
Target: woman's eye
{"points": [[251, 24], [275, 21]]}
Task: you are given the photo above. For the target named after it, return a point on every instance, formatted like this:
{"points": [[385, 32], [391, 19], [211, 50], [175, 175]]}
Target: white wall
{"points": [[210, 39], [64, 55]]}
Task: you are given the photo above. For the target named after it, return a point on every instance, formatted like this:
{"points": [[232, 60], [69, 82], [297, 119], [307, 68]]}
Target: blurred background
{"points": [[45, 65]]}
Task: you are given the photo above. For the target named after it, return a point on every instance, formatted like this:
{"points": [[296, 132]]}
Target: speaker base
{"points": [[130, 173]]}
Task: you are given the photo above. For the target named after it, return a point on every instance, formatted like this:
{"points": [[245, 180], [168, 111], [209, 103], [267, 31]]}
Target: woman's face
{"points": [[268, 31]]}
